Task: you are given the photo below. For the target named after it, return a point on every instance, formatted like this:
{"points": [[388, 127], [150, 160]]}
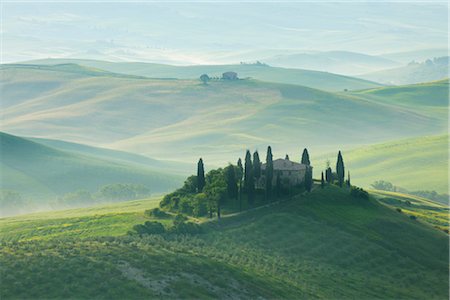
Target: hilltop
{"points": [[314, 79], [310, 246]]}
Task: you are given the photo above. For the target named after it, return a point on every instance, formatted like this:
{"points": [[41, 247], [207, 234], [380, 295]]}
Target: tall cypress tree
{"points": [[322, 181], [308, 179], [348, 179], [269, 173], [329, 175], [305, 157], [256, 165], [200, 176], [340, 170], [240, 173], [249, 179], [278, 186], [230, 177]]}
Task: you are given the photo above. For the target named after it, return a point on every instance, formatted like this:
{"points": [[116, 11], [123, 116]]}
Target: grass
{"points": [[183, 119], [431, 212], [414, 164], [321, 245], [23, 163]]}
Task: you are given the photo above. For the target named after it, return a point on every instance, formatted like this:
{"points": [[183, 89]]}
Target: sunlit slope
{"points": [[431, 94], [315, 79], [323, 245], [432, 212], [40, 171], [184, 119], [413, 164]]}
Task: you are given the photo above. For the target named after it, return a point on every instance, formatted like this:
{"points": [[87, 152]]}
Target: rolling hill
{"points": [[338, 62], [321, 245], [429, 70], [314, 79], [42, 172], [414, 164], [182, 120]]}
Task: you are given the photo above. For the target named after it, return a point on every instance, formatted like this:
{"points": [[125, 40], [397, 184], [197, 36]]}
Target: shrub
{"points": [[149, 227], [156, 213], [413, 217], [357, 192], [200, 207], [186, 228], [398, 210]]}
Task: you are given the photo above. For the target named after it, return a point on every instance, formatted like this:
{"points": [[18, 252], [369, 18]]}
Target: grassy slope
{"points": [[409, 74], [183, 119], [413, 164], [323, 245], [180, 168], [320, 80], [434, 213], [41, 171]]}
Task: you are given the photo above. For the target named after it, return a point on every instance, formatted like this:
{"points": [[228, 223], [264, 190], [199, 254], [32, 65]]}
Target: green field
{"points": [[413, 164], [434, 213], [321, 245], [42, 172]]}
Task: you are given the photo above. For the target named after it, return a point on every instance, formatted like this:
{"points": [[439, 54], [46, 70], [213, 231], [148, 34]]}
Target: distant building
{"points": [[291, 173], [229, 76]]}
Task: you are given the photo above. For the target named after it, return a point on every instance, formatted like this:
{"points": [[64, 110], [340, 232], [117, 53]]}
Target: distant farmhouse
{"points": [[291, 173], [230, 76]]}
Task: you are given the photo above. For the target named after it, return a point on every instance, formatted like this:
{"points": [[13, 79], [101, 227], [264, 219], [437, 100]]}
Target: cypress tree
{"points": [[249, 179], [322, 181], [328, 175], [305, 157], [348, 179], [308, 179], [278, 186], [340, 170], [256, 165], [240, 173], [200, 176], [230, 176], [269, 173], [287, 157]]}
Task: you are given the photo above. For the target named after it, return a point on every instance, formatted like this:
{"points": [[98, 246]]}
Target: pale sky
{"points": [[205, 33]]}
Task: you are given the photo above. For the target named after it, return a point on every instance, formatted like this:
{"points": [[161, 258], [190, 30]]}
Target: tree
{"points": [[200, 176], [249, 179], [256, 165], [340, 170], [286, 157], [205, 78], [305, 157], [230, 178], [278, 185], [240, 173], [269, 173], [348, 179], [322, 181], [308, 179], [215, 190], [329, 175]]}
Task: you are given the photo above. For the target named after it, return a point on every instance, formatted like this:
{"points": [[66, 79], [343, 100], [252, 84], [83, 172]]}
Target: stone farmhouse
{"points": [[291, 173]]}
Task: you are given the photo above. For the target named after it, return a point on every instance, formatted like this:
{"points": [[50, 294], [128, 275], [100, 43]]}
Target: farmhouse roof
{"points": [[285, 164]]}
